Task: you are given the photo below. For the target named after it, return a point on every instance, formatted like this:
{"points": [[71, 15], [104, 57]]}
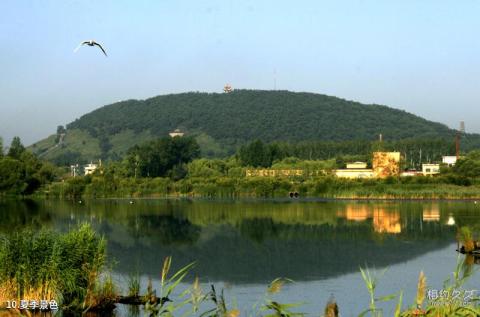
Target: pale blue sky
{"points": [[421, 56]]}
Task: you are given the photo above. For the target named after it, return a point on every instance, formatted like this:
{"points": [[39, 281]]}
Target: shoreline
{"points": [[249, 198]]}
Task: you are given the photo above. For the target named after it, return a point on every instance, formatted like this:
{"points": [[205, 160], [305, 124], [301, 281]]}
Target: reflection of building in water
{"points": [[451, 220], [358, 212], [431, 213], [386, 222]]}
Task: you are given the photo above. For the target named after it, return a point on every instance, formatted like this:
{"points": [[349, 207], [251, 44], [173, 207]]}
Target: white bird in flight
{"points": [[91, 43]]}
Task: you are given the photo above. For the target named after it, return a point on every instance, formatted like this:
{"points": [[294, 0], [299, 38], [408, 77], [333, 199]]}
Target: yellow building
{"points": [[358, 212], [386, 164], [430, 169], [273, 172], [354, 173], [431, 213], [386, 222]]}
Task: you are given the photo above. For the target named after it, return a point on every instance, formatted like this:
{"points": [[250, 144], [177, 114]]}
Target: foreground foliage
{"points": [[47, 265], [69, 268]]}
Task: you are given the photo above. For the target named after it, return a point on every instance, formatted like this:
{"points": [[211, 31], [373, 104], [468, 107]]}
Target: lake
{"points": [[240, 246]]}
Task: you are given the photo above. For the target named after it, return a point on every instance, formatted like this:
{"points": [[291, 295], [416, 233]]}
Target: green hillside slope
{"points": [[222, 122]]}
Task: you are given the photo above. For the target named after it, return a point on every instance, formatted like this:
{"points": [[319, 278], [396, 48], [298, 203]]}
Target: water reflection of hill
{"points": [[253, 241]]}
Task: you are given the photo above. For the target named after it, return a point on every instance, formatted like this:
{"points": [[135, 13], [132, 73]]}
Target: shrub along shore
{"points": [[258, 187]]}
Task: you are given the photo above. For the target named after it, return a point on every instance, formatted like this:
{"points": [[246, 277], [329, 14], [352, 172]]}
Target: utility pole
{"points": [[420, 158], [457, 145], [457, 138]]}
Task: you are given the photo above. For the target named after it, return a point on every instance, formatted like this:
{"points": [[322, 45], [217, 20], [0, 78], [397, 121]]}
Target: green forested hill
{"points": [[222, 122]]}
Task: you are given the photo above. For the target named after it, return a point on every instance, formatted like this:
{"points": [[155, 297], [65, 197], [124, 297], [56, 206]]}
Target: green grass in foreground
{"points": [[51, 266]]}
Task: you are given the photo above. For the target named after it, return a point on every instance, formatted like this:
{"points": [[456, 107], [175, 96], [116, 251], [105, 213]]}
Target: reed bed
{"points": [[46, 265]]}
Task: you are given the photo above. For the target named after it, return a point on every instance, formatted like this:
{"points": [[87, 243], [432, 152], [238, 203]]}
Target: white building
{"points": [[90, 168], [430, 169], [355, 170], [176, 132], [357, 165], [449, 160]]}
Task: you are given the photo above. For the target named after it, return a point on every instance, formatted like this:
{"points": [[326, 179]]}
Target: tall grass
{"points": [[51, 266], [439, 308], [232, 187]]}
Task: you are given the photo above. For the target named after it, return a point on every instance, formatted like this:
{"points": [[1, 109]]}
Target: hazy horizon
{"points": [[418, 57]]}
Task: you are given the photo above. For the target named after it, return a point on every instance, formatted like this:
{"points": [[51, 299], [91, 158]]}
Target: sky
{"points": [[419, 56]]}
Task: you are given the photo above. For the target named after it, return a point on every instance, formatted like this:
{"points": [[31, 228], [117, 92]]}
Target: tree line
{"points": [[414, 151], [167, 162], [21, 172]]}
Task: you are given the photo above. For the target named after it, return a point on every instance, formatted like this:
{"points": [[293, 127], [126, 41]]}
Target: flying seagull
{"points": [[91, 43]]}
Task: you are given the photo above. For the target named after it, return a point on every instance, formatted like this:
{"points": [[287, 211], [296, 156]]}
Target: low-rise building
{"points": [[357, 165], [176, 133], [449, 160], [273, 172], [90, 168], [355, 170], [429, 169], [354, 173], [410, 173]]}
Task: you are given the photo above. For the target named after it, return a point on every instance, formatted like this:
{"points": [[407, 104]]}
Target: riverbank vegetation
{"points": [[174, 167], [47, 265], [226, 178], [21, 172]]}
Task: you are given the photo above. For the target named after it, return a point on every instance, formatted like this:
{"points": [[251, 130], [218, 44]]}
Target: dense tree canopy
{"points": [[162, 157], [224, 122], [257, 154], [16, 148], [21, 172], [468, 166], [414, 151]]}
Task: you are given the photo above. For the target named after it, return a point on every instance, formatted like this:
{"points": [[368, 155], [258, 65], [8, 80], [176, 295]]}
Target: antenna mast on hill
{"points": [[274, 79]]}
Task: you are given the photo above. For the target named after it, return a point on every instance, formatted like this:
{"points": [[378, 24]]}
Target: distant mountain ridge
{"points": [[222, 122]]}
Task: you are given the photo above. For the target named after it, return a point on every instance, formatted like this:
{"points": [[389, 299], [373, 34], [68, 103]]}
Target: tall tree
{"points": [[60, 129], [1, 147], [16, 148], [257, 154], [159, 157]]}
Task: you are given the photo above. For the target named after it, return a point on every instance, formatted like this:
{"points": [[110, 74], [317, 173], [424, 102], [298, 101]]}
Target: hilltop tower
{"points": [[227, 89]]}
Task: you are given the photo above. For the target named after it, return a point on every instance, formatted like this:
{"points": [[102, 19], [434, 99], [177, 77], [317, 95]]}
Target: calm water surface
{"points": [[241, 246]]}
